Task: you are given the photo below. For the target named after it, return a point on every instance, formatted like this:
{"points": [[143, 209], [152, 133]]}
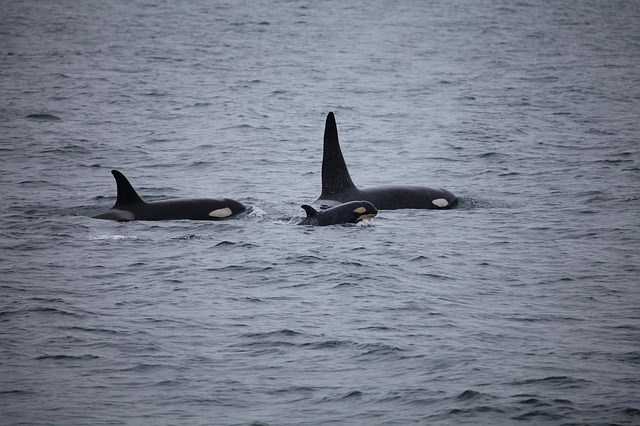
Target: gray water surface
{"points": [[520, 306]]}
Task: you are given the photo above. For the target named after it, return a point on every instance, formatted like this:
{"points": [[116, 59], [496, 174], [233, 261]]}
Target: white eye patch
{"points": [[221, 213], [360, 210], [440, 202]]}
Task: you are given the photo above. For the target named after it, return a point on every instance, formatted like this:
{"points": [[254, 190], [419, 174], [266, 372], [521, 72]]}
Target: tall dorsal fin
{"points": [[126, 193], [335, 176], [311, 212]]}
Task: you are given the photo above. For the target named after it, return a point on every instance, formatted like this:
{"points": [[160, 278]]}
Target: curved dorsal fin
{"points": [[126, 193], [335, 176], [311, 212]]}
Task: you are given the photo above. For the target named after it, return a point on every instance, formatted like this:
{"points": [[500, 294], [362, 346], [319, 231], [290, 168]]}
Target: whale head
{"points": [[362, 210]]}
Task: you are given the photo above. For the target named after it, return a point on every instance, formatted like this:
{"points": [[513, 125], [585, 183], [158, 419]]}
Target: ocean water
{"points": [[520, 306]]}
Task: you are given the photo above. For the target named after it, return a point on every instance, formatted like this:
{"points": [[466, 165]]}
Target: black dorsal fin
{"points": [[335, 176], [311, 212], [126, 193]]}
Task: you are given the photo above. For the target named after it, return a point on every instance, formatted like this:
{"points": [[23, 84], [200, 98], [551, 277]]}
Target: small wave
{"points": [[346, 284], [488, 154], [468, 395], [68, 357], [563, 382], [630, 411], [284, 332], [327, 344], [378, 328], [91, 330], [66, 149], [615, 160], [247, 299], [480, 409], [419, 258], [113, 237], [433, 276], [353, 394], [306, 259], [143, 367], [16, 392], [600, 132], [349, 395], [539, 415], [229, 268], [155, 94], [43, 117], [293, 389], [52, 311], [541, 79], [188, 237], [534, 401], [33, 183], [633, 357], [200, 164], [239, 127], [378, 349]]}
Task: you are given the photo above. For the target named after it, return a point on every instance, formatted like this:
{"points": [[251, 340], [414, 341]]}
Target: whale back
{"points": [[129, 206]]}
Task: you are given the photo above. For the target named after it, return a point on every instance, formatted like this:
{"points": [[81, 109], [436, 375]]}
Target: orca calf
{"points": [[352, 212], [338, 186], [129, 206]]}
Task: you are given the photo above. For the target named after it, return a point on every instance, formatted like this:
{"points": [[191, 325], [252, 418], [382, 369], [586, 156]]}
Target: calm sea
{"points": [[520, 306]]}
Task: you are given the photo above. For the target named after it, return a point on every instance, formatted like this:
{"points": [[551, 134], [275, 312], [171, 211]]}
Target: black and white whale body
{"points": [[129, 206], [338, 186], [351, 212]]}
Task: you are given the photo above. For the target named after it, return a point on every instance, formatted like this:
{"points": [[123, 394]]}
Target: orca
{"points": [[337, 185], [129, 206], [351, 212]]}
